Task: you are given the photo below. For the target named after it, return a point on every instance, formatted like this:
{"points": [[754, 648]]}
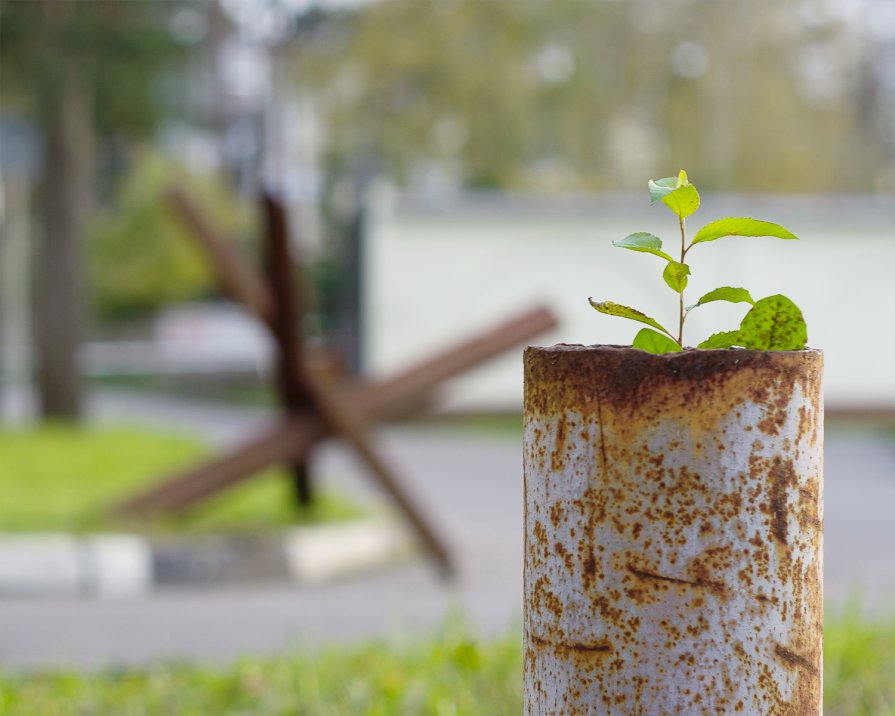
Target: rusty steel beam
{"points": [[303, 388], [673, 531], [369, 401], [311, 397], [342, 416], [285, 326], [284, 442], [388, 396], [234, 271]]}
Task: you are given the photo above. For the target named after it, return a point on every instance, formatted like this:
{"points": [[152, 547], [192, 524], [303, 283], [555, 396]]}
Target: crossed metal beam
{"points": [[316, 406]]}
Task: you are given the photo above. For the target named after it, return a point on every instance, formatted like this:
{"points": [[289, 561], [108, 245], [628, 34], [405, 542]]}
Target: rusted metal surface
{"points": [[369, 401], [341, 415], [674, 518], [285, 326], [392, 395], [233, 269], [315, 404]]}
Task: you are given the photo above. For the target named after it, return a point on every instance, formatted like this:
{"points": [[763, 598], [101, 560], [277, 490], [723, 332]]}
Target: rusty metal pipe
{"points": [[673, 531]]}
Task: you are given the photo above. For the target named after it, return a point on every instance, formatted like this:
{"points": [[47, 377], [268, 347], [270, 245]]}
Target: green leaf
{"points": [[740, 227], [643, 241], [683, 201], [725, 293], [615, 309], [774, 324], [677, 193], [724, 339], [648, 340], [675, 275], [661, 188]]}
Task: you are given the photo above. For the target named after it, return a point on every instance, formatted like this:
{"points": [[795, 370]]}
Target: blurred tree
{"points": [[77, 68], [750, 94], [140, 256]]}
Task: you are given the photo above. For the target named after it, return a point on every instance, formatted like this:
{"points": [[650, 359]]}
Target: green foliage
{"points": [[677, 193], [123, 52], [725, 293], [59, 477], [675, 275], [724, 339], [859, 668], [773, 323], [486, 107], [648, 340], [740, 227], [140, 257], [643, 241], [450, 671]]}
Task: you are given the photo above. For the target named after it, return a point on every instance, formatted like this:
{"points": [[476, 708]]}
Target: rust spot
{"points": [[619, 377], [564, 554], [557, 514], [559, 445], [703, 583], [777, 413], [590, 564], [796, 660], [571, 646], [780, 477], [553, 605], [604, 463]]}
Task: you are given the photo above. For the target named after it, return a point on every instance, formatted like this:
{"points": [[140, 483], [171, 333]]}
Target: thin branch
{"points": [[681, 314]]}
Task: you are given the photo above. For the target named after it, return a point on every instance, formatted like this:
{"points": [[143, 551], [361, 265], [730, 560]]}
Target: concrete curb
{"points": [[129, 565]]}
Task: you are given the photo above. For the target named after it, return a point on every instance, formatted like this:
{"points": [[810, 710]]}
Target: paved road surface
{"points": [[472, 485]]}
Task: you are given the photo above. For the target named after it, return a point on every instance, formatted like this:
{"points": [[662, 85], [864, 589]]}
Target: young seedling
{"points": [[773, 323]]}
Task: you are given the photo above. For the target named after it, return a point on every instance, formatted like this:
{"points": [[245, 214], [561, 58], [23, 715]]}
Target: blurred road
{"points": [[471, 484]]}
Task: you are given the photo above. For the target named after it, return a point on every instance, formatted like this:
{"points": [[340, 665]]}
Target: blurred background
{"points": [[444, 165]]}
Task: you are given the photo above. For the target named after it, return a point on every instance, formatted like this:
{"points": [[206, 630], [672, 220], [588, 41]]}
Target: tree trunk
{"points": [[674, 520], [67, 191]]}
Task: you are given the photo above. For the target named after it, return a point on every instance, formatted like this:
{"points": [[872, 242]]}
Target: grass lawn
{"points": [[446, 673], [62, 478]]}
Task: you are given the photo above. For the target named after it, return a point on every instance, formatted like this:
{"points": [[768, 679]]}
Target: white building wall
{"points": [[438, 273]]}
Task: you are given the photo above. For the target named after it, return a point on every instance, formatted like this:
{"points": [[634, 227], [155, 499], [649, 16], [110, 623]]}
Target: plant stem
{"points": [[681, 315]]}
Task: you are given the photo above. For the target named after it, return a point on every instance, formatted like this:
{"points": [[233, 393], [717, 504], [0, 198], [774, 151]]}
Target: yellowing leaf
{"points": [[615, 309], [774, 324]]}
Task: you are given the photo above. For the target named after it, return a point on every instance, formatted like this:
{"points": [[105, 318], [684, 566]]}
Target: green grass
{"points": [[446, 673], [859, 664], [59, 477]]}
